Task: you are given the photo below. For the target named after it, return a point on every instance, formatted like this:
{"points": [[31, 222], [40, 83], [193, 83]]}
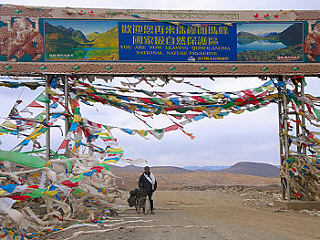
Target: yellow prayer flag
{"points": [[167, 101], [114, 149], [34, 136], [217, 117], [77, 118], [115, 99], [50, 92], [103, 133], [9, 124], [238, 112], [142, 132], [51, 193], [35, 175], [110, 161]]}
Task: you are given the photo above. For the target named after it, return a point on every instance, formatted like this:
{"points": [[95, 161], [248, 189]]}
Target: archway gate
{"points": [[66, 47]]}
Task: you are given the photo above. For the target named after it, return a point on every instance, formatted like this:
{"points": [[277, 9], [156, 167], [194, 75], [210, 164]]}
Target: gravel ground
{"points": [[206, 213]]}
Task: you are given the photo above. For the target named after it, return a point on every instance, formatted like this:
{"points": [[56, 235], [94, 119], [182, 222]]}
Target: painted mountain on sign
{"points": [[291, 36], [265, 42], [61, 40], [64, 42]]}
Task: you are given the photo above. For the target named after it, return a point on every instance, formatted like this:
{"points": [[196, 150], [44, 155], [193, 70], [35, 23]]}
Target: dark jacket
{"points": [[145, 184]]}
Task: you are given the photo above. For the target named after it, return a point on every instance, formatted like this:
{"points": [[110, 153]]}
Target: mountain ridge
{"points": [[291, 36], [169, 177], [254, 169], [245, 168]]}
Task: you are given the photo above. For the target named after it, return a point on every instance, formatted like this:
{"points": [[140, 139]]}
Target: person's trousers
{"points": [[150, 196]]}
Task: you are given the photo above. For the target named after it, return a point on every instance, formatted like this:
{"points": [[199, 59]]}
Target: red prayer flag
{"points": [[20, 197], [64, 144], [146, 100], [171, 128], [75, 103], [70, 184], [97, 168], [35, 104], [200, 99]]}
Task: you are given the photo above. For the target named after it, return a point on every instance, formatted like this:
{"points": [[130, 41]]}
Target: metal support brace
{"points": [[284, 141], [48, 78], [66, 111], [304, 149], [284, 135]]}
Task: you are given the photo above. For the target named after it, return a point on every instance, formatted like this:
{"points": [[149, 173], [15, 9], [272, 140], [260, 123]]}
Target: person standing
{"points": [[148, 182]]}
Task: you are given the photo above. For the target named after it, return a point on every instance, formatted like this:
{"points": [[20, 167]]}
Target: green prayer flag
{"points": [[39, 117], [158, 130], [43, 130], [69, 165], [182, 110], [159, 110], [258, 89], [253, 108], [304, 82], [102, 165], [36, 193], [228, 105], [77, 178], [317, 112], [77, 190], [42, 98], [208, 98], [3, 130], [77, 111], [156, 100]]}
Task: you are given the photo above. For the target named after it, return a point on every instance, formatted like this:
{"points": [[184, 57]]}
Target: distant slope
{"points": [[103, 40], [254, 169], [172, 177], [206, 168], [156, 169]]}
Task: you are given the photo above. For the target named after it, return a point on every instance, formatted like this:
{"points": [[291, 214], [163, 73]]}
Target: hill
{"points": [[246, 35], [156, 169], [174, 177], [75, 35], [291, 36], [206, 168], [254, 169]]}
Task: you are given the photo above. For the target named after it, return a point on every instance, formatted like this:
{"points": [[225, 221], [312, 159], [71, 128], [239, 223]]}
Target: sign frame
{"points": [[34, 15]]}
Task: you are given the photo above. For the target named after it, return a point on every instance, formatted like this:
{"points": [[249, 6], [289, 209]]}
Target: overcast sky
{"points": [[251, 136]]}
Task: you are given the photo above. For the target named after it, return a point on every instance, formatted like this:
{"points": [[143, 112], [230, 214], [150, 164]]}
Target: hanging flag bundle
{"points": [[300, 167]]}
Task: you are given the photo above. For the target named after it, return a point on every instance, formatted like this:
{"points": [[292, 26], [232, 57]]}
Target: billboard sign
{"points": [[239, 44]]}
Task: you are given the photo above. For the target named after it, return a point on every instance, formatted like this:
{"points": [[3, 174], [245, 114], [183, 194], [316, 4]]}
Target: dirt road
{"points": [[206, 214]]}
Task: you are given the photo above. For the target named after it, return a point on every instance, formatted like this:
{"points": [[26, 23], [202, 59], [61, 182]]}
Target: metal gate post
{"points": [[284, 141], [48, 78]]}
